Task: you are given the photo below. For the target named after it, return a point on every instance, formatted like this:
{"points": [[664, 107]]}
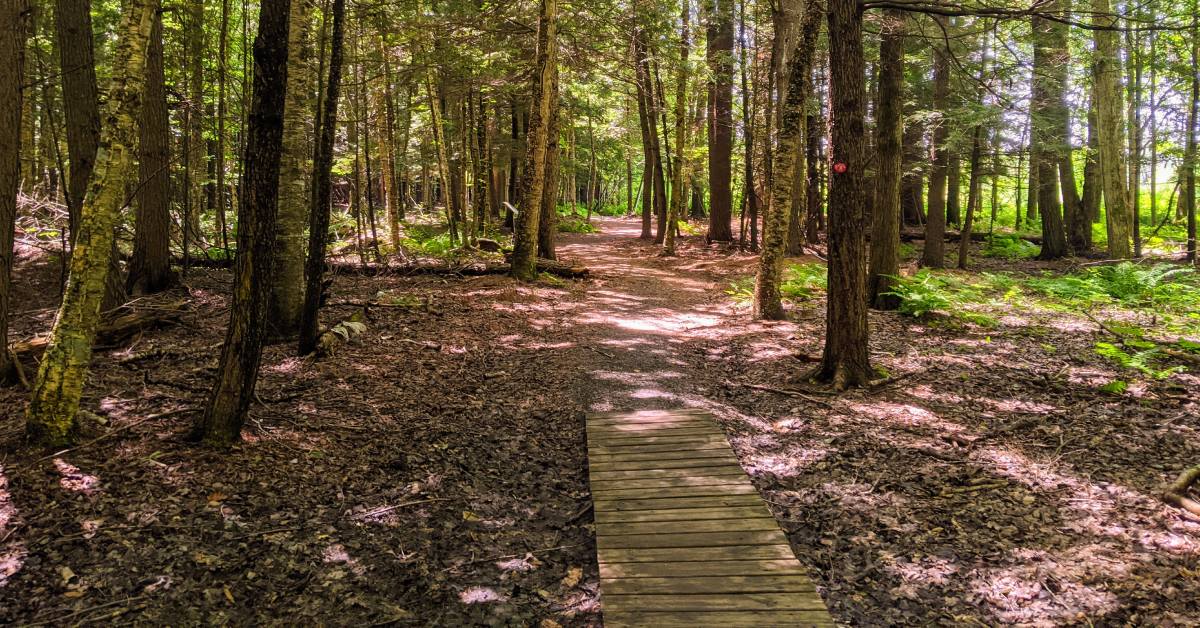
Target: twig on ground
{"points": [[123, 428], [788, 392], [386, 509]]}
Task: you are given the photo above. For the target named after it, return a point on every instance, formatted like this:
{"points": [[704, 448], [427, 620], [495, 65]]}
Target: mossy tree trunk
{"points": [[50, 419], [525, 233], [1110, 120], [788, 158], [225, 412], [287, 283]]}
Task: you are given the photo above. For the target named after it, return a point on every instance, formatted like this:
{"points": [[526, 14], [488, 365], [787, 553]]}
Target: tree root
{"points": [[1177, 493]]}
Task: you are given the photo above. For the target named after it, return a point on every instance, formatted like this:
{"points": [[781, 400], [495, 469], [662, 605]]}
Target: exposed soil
{"points": [[433, 471]]}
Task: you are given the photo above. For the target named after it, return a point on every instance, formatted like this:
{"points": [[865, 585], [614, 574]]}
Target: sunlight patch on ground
{"points": [[74, 480], [481, 595], [12, 551], [1040, 591], [790, 464]]}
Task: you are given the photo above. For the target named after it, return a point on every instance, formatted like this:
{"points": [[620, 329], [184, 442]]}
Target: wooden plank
{"points": [[645, 415], [633, 438], [767, 583], [697, 554], [695, 539], [714, 602], [682, 514], [666, 503], [683, 463], [619, 484], [682, 536], [733, 619], [704, 437], [721, 445], [609, 571], [702, 525], [596, 458], [713, 470], [649, 427], [673, 491]]}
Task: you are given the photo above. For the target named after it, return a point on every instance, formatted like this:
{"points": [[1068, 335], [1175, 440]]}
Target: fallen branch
{"points": [[955, 236], [1177, 493], [789, 393], [114, 332], [123, 428]]}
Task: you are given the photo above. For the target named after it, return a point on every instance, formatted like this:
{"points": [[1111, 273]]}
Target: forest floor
{"points": [[433, 471]]}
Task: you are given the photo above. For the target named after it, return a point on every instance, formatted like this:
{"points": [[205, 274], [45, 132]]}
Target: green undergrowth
{"points": [[575, 224], [1150, 312], [801, 282]]}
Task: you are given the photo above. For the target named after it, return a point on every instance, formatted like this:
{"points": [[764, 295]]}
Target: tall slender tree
{"points": [[12, 83], [719, 37], [524, 257], [1111, 133], [50, 419], [318, 229], [237, 372], [150, 266], [845, 361], [889, 129]]}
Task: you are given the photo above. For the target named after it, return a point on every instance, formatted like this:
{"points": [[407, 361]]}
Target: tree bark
{"points": [[1048, 125], [845, 361], [225, 412], [548, 218], [50, 419], [287, 283], [12, 78], [150, 266], [525, 233], [720, 127], [678, 188], [318, 229], [934, 253], [1109, 117], [885, 231], [788, 157]]}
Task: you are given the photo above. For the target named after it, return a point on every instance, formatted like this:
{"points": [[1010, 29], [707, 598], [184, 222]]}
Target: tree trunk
{"points": [[12, 78], [934, 253], [1091, 173], [1048, 125], [55, 401], [720, 128], [1193, 136], [645, 119], [225, 412], [677, 177], [973, 185], [318, 230], [525, 234], [788, 157], [287, 283], [548, 218], [1109, 116], [150, 266], [845, 361], [885, 231]]}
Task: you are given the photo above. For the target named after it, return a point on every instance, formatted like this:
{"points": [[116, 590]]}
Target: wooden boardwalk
{"points": [[683, 537]]}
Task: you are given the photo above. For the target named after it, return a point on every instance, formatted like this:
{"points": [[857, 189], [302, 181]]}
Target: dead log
{"points": [[112, 333], [342, 333], [1177, 493], [557, 268], [954, 236]]}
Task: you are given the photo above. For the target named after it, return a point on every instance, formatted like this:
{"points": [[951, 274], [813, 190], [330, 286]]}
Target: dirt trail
{"points": [[643, 316]]}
